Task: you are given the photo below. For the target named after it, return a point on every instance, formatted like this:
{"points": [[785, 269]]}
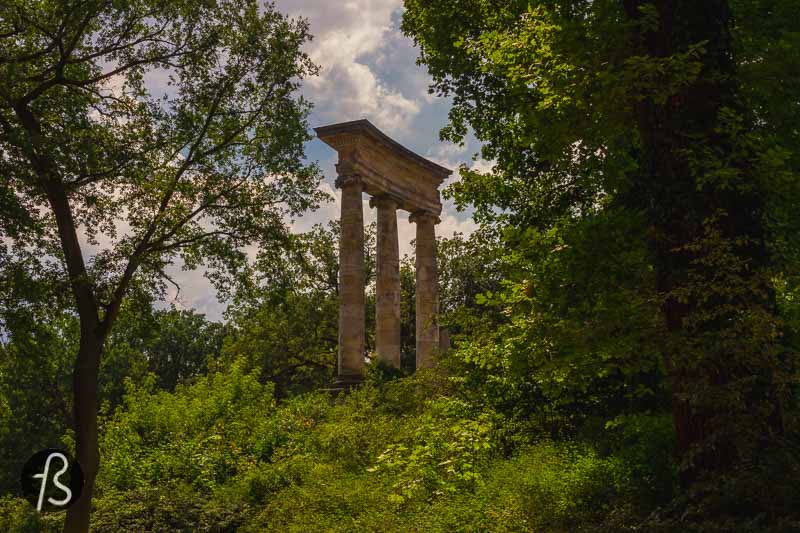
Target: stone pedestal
{"points": [[387, 287], [351, 280], [427, 289]]}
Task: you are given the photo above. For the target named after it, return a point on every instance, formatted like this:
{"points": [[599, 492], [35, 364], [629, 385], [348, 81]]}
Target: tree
{"points": [[284, 323], [291, 340], [185, 345], [650, 116], [37, 343], [175, 345], [408, 314], [112, 182], [469, 270]]}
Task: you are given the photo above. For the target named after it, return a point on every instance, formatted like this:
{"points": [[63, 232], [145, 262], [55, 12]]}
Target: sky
{"points": [[367, 70]]}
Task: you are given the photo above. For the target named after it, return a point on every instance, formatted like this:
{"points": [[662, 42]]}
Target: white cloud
{"points": [[482, 165], [447, 151], [452, 156], [350, 40], [196, 292], [367, 71], [451, 224]]}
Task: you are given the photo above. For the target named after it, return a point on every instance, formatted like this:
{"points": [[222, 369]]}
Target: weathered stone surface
{"points": [[427, 291], [385, 166], [397, 178], [387, 286], [351, 278]]}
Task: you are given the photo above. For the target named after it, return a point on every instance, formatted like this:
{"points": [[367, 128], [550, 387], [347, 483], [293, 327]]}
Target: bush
{"points": [[547, 487], [402, 455], [646, 442], [165, 455], [17, 515]]}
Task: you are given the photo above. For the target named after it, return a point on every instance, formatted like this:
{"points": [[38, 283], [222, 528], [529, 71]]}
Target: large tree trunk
{"points": [[93, 331], [84, 379], [683, 211]]}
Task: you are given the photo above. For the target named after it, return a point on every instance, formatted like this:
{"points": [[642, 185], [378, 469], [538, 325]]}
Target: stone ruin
{"points": [[395, 178]]}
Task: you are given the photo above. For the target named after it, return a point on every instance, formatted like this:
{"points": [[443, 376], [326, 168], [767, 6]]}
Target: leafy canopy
{"points": [[171, 130]]}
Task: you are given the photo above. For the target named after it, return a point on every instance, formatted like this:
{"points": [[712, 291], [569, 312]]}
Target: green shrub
{"points": [[547, 487], [17, 515], [402, 455], [444, 452], [646, 443], [166, 455]]}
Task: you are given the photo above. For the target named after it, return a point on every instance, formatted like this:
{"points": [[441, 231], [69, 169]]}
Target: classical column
{"points": [[427, 288], [351, 280], [387, 287]]}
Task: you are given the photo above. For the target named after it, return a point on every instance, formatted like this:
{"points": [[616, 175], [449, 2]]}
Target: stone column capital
{"points": [[347, 180], [384, 200], [423, 216]]}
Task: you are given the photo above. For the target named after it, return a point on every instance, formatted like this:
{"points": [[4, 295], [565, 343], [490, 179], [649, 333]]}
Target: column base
{"points": [[343, 384]]}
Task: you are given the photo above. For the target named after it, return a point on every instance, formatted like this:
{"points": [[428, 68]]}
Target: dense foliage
{"points": [[410, 455], [642, 182], [165, 345], [625, 323], [134, 135]]}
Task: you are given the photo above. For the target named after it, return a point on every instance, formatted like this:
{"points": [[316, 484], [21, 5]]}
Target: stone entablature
{"points": [[385, 166], [396, 178]]}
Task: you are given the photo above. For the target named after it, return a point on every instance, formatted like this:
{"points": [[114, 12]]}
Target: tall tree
{"points": [[648, 113], [469, 269], [284, 322], [184, 346], [133, 134]]}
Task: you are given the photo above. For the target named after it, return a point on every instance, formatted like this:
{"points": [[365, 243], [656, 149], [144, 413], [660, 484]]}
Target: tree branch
{"points": [[56, 194]]}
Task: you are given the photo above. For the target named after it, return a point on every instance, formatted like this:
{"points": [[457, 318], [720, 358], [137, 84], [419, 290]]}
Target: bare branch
{"points": [[171, 281], [175, 245]]}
